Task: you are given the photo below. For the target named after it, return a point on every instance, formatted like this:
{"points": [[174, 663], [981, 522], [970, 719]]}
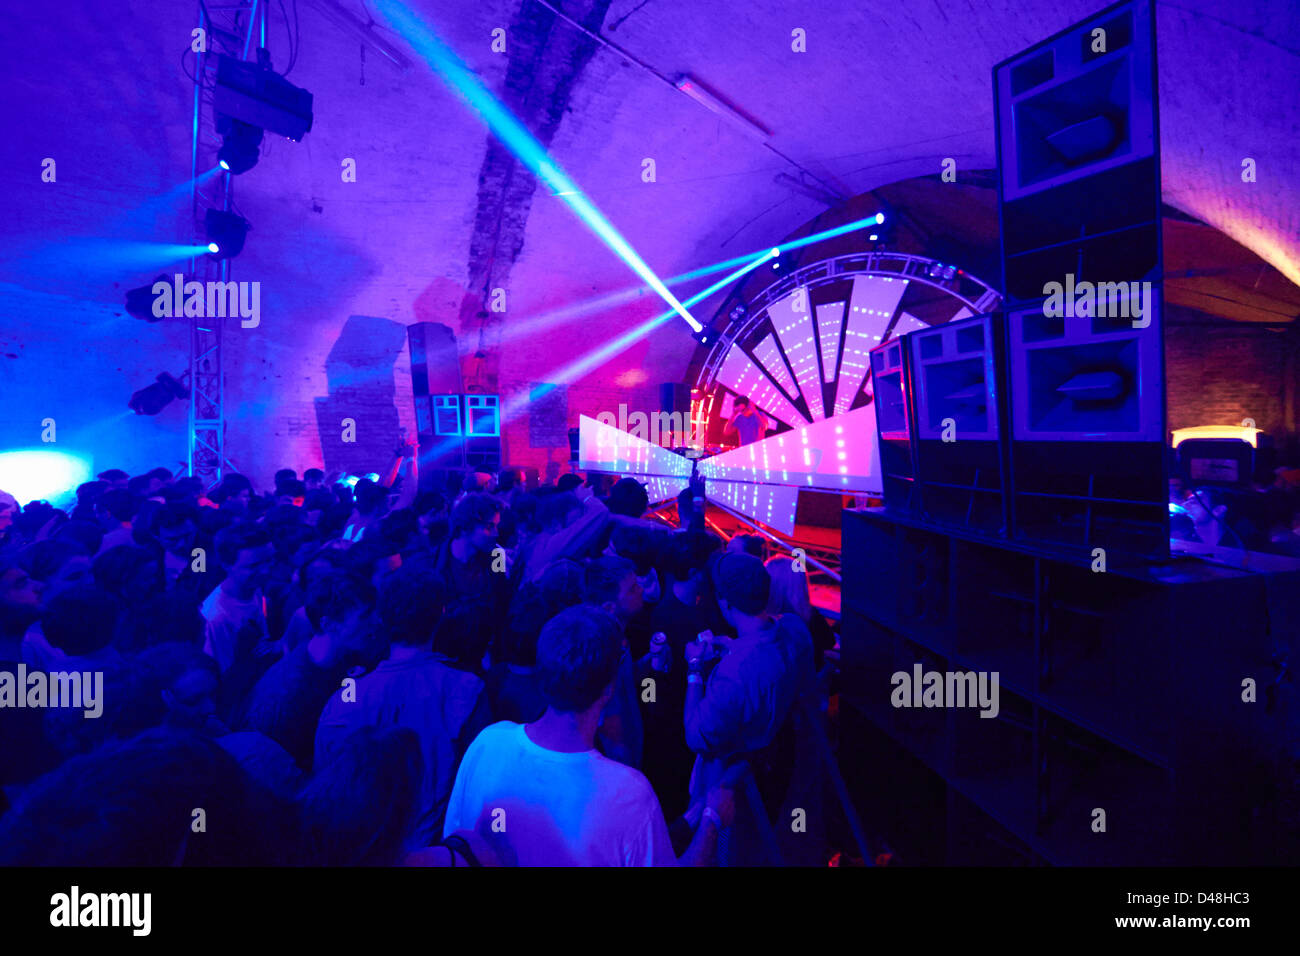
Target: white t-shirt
{"points": [[547, 808]]}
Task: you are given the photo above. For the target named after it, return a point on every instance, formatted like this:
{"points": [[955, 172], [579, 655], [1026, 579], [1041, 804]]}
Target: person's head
{"points": [[628, 497], [9, 511], [246, 552], [558, 511], [313, 478], [131, 803], [743, 587], [139, 486], [744, 406], [338, 606], [115, 507], [611, 583], [130, 573], [290, 492], [476, 520], [411, 603], [85, 534], [233, 493], [369, 496], [789, 593], [640, 545], [115, 478], [283, 475], [578, 655], [569, 482], [177, 528], [315, 503], [685, 506], [90, 490], [750, 544], [57, 565], [186, 681], [361, 802], [507, 480], [80, 620], [20, 599], [684, 556]]}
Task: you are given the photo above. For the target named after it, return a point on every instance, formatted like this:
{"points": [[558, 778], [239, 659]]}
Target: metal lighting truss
{"points": [[229, 28]]}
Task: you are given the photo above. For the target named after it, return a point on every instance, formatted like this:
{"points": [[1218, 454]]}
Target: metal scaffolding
{"points": [[227, 28]]}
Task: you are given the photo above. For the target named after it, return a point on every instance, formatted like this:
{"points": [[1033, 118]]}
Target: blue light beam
{"points": [[521, 142]]}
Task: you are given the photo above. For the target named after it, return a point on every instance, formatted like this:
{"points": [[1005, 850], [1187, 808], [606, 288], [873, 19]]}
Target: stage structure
{"points": [[229, 30], [800, 352]]}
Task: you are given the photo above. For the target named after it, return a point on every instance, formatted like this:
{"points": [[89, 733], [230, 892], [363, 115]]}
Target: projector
{"points": [[261, 97]]}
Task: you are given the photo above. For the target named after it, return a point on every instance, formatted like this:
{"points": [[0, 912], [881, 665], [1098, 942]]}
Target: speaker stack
{"points": [[1045, 423], [436, 387], [1079, 198]]}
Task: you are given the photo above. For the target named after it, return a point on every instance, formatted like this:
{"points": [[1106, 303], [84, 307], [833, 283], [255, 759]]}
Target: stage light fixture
{"points": [[240, 146], [139, 302], [226, 233], [152, 399]]}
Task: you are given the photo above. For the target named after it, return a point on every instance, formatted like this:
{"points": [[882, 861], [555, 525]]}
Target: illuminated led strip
{"points": [[830, 323], [769, 356], [873, 303], [603, 447], [740, 374], [795, 330], [907, 322], [772, 505], [838, 452]]}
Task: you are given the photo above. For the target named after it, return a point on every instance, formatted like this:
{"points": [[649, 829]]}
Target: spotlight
{"points": [[738, 313], [139, 302], [226, 233], [152, 399], [705, 336], [240, 145]]}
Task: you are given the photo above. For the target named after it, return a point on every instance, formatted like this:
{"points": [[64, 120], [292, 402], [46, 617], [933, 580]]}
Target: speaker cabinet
{"points": [[436, 388], [959, 471], [1088, 426], [483, 432], [891, 383], [1078, 150]]}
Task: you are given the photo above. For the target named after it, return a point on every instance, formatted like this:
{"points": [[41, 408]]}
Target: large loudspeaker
{"points": [[483, 432], [959, 469], [436, 388], [1078, 150], [1079, 199], [892, 396]]}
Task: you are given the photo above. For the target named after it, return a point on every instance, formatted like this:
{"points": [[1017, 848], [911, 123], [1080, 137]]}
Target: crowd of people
{"points": [[359, 673]]}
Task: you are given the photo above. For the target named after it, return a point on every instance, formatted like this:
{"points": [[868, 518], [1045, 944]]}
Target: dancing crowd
{"points": [[354, 672]]}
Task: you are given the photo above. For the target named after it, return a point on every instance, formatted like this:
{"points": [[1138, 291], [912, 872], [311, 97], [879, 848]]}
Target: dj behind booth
{"points": [[1026, 649]]}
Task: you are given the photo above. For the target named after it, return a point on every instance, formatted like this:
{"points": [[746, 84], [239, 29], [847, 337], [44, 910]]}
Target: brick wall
{"points": [[1221, 374]]}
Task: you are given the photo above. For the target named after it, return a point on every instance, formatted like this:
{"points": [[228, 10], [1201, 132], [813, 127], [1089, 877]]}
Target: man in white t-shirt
{"points": [[541, 792]]}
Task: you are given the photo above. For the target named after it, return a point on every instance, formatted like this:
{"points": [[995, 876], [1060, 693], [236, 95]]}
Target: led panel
{"points": [[830, 323], [769, 357], [603, 447], [907, 322], [740, 374], [772, 505], [871, 305], [838, 453], [795, 330]]}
